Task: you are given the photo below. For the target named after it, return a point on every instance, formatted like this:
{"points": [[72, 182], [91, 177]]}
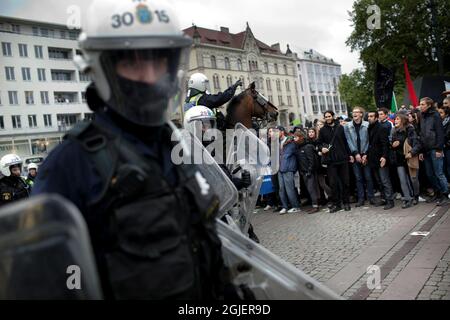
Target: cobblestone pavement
{"points": [[323, 244]]}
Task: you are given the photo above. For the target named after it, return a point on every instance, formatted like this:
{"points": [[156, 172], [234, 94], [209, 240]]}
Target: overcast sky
{"points": [[319, 24]]}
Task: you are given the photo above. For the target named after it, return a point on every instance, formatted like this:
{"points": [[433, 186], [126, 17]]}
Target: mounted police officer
{"points": [[199, 93], [152, 223], [12, 185]]}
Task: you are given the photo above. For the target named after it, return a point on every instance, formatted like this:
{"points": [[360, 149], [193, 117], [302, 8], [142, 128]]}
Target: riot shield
{"points": [[247, 152], [45, 252], [261, 275], [217, 179]]}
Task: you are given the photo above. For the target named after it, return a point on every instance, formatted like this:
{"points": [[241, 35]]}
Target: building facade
{"points": [[318, 85], [225, 58], [42, 94]]}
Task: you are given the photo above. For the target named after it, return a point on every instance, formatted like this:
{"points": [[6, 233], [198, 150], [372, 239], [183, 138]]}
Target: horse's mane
{"points": [[235, 101]]}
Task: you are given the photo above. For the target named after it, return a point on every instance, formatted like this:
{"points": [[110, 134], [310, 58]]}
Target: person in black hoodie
{"points": [[307, 166], [433, 140], [336, 155], [378, 156]]}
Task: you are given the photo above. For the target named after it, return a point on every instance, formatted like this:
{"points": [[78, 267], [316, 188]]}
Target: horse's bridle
{"points": [[264, 103]]}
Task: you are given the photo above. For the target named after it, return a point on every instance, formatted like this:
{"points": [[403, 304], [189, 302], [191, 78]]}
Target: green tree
{"points": [[406, 30], [356, 91]]}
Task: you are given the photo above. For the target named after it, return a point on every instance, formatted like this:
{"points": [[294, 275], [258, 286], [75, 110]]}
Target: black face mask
{"points": [[142, 103]]}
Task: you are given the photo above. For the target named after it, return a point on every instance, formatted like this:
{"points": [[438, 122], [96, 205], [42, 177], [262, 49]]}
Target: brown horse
{"points": [[247, 106]]}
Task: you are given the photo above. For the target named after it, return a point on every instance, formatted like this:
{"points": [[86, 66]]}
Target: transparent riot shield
{"points": [[45, 252], [261, 275], [217, 179], [247, 152]]}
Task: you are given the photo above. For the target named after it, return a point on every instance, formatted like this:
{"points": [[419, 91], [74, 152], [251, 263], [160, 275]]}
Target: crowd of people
{"points": [[374, 158]]}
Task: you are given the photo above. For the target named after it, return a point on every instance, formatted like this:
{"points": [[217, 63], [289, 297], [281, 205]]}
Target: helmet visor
{"points": [[142, 82]]}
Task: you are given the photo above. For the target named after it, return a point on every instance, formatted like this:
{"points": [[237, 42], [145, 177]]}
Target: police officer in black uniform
{"points": [[12, 185], [152, 223], [199, 93]]}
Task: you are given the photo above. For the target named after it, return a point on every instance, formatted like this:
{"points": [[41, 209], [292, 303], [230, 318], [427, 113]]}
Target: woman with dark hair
{"points": [[405, 151], [307, 162], [321, 171]]}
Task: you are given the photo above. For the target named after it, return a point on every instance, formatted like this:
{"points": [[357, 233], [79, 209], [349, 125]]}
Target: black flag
{"points": [[384, 86]]}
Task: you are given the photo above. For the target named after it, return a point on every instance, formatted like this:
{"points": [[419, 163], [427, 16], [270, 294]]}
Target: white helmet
{"points": [[133, 51], [199, 119], [32, 166], [7, 161], [200, 82]]}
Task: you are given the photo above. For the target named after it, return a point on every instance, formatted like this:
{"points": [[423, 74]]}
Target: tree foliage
{"points": [[406, 31], [356, 91]]}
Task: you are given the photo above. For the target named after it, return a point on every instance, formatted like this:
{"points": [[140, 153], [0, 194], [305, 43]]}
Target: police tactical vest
{"points": [[163, 242], [12, 189], [193, 101]]}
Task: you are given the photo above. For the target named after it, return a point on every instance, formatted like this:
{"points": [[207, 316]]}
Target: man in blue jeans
{"points": [[288, 167], [357, 135], [432, 139]]}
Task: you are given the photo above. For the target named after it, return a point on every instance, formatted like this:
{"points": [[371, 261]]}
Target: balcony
{"points": [[66, 97], [60, 53], [63, 75]]}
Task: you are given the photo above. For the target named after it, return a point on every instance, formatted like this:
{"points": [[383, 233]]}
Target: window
{"points": [[6, 48], [12, 95], [38, 52], [229, 81], [271, 99], [26, 75], [336, 103], [63, 75], [2, 123], [227, 64], [16, 122], [10, 76], [289, 101], [213, 62], [41, 74], [29, 98], [84, 77], [269, 85], [35, 31], [73, 35], [301, 83], [304, 104], [83, 97], [47, 120], [285, 69], [330, 104], [288, 88], [276, 68], [266, 67], [261, 83], [32, 123], [239, 64], [15, 28], [280, 100], [315, 104], [216, 82], [44, 97], [278, 85], [44, 32], [60, 53], [23, 50], [323, 106], [62, 34]]}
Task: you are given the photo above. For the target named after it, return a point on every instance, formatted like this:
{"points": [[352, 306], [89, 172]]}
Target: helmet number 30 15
{"points": [[143, 16]]}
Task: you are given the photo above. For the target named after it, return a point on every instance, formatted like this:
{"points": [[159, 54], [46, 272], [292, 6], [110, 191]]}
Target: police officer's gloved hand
{"points": [[238, 84], [246, 179]]}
